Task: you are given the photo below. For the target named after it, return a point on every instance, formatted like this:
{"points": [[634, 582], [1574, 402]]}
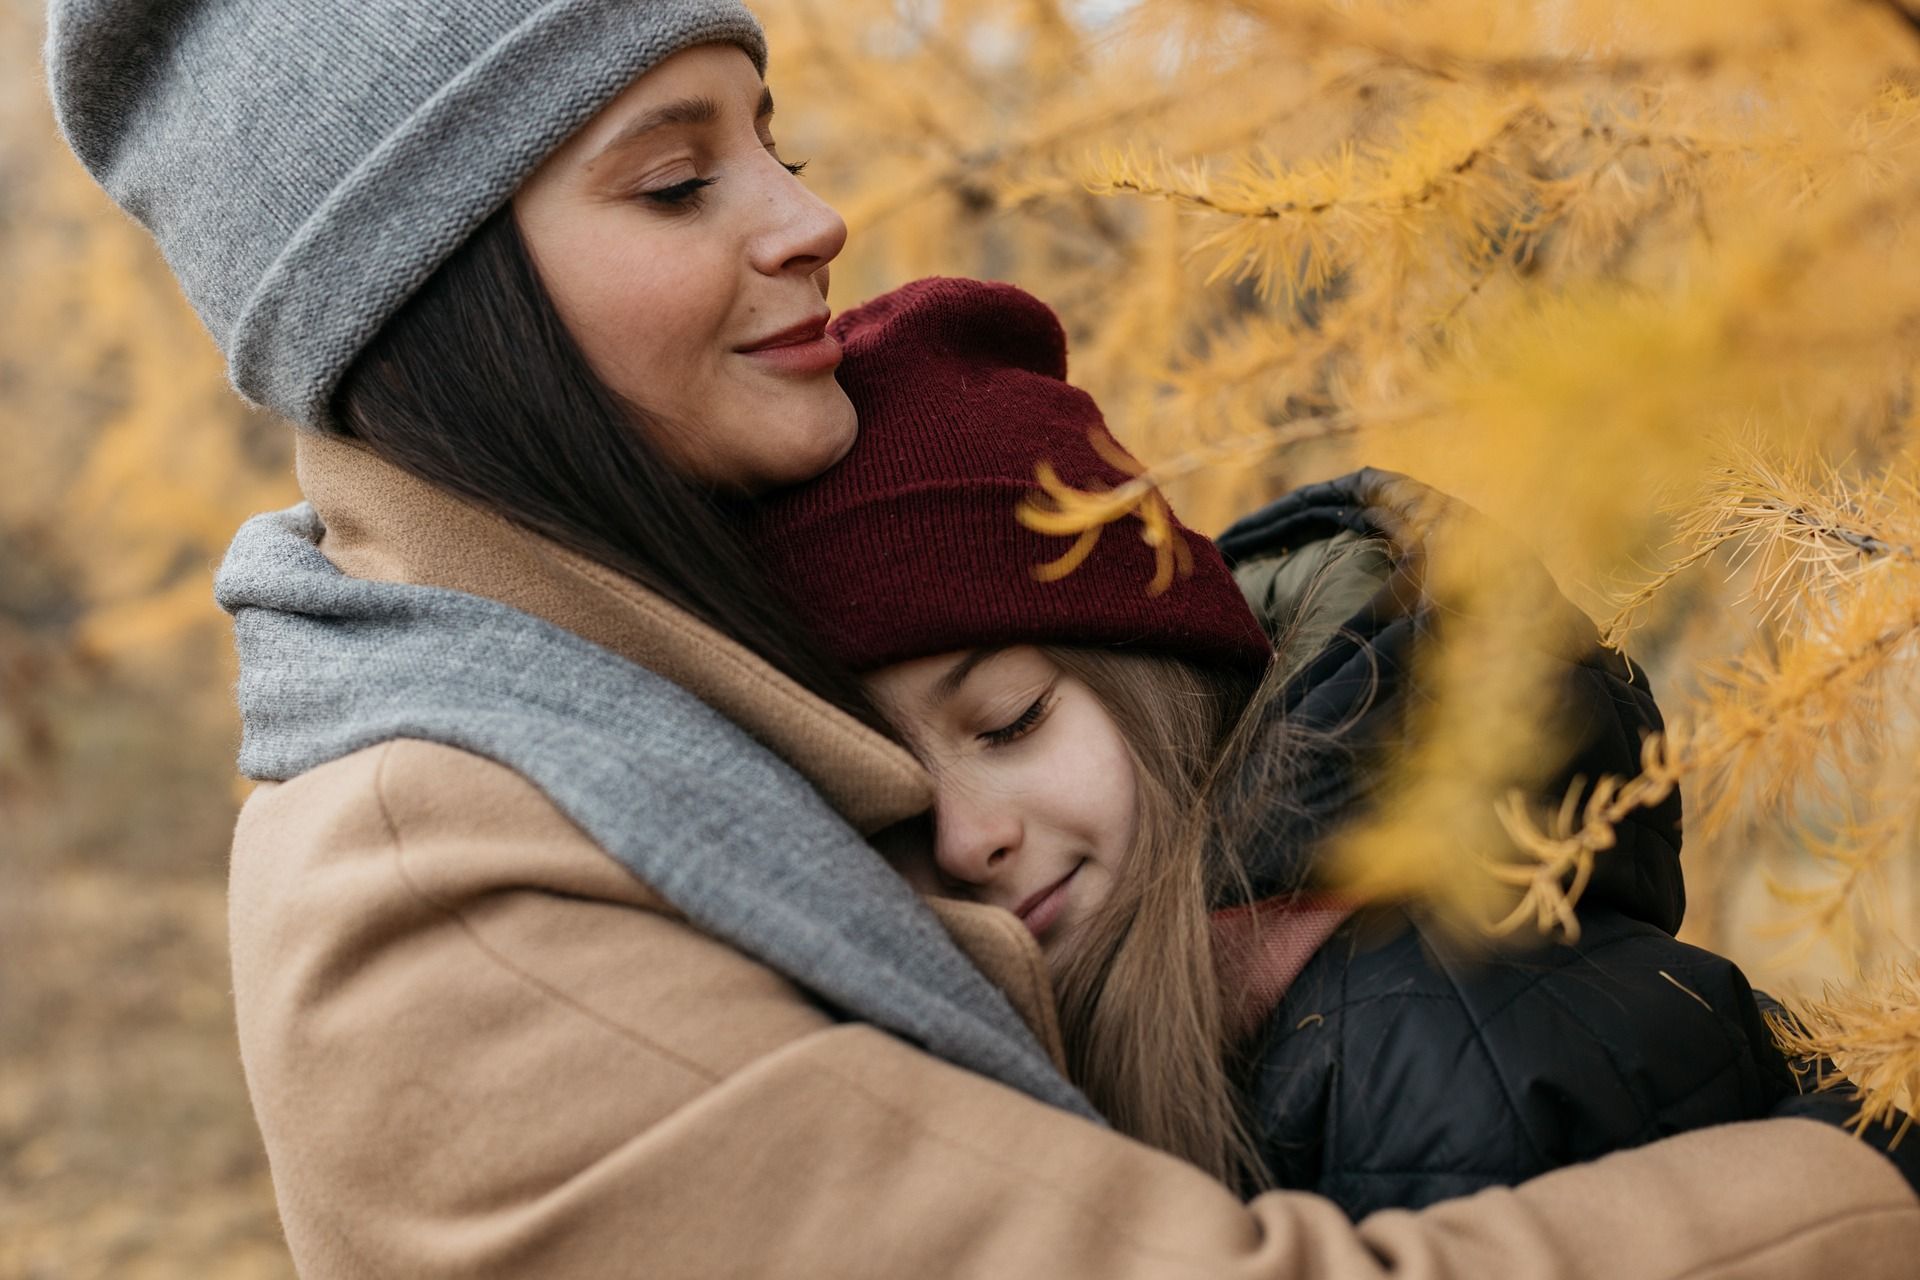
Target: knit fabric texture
{"points": [[305, 165], [910, 546]]}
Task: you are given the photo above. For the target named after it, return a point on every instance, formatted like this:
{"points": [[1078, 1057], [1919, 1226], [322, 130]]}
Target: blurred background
{"points": [[126, 1146], [1637, 278]]}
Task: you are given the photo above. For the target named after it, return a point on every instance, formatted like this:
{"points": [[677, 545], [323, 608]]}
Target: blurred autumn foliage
{"points": [[1635, 278], [126, 1147], [1638, 280]]}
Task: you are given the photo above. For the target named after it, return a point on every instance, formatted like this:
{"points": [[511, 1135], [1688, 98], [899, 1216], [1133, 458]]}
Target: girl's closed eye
{"points": [[1023, 724]]}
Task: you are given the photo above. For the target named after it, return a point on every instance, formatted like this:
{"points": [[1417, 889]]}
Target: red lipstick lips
{"points": [[804, 349]]}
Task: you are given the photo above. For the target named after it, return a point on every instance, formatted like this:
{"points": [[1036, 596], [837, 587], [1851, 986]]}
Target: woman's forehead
{"points": [[708, 82]]}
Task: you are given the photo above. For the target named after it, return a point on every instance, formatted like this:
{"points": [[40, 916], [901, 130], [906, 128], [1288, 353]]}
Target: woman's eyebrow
{"points": [[683, 111]]}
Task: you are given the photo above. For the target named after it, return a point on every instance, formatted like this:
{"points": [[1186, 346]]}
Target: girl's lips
{"points": [[1042, 910]]}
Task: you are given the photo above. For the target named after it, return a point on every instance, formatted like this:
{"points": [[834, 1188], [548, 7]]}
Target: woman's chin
{"points": [[844, 432], [747, 446], [819, 440], [799, 453]]}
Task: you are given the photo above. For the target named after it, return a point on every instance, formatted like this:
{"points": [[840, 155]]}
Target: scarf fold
{"points": [[682, 797]]}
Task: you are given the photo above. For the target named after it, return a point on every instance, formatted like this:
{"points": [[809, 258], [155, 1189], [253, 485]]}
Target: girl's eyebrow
{"points": [[957, 674]]}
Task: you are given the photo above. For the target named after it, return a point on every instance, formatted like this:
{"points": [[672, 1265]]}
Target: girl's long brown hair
{"points": [[1141, 1006]]}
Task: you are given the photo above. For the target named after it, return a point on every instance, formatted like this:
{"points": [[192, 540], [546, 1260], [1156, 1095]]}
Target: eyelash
{"points": [[682, 195], [1024, 724]]}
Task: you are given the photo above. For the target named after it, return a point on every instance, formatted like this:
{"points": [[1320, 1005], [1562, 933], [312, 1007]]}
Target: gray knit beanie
{"points": [[306, 164]]}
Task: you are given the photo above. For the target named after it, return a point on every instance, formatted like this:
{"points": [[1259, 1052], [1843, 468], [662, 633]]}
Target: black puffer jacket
{"points": [[1394, 1073]]}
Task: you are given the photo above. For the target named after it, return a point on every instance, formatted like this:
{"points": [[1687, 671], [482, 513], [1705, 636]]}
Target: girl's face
{"points": [[1034, 788], [690, 265]]}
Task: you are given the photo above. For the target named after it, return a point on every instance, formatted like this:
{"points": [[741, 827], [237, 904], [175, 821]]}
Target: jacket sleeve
{"points": [[1399, 1072], [477, 1048]]}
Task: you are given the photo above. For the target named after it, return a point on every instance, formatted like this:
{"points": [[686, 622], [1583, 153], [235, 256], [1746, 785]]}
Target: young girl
{"points": [[1136, 777]]}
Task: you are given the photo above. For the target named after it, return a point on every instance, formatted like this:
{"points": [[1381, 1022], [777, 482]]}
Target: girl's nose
{"points": [[975, 840]]}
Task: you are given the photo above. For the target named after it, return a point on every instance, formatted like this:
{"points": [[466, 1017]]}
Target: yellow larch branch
{"points": [[1319, 26], [1085, 513], [1802, 528], [1864, 1037], [1562, 854], [1811, 697], [1266, 190], [1854, 857], [1060, 510]]}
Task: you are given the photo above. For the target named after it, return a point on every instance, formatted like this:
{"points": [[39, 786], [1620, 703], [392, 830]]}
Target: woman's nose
{"points": [[804, 232], [974, 840]]}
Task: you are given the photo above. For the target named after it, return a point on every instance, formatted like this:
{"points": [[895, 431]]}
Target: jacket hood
{"points": [[1338, 572]]}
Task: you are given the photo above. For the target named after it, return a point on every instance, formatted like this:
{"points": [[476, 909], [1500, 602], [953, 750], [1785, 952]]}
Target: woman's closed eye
{"points": [[686, 195], [794, 167], [680, 195], [1023, 724]]}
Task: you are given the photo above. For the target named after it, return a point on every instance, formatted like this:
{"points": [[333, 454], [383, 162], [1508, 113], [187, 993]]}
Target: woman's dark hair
{"points": [[477, 387]]}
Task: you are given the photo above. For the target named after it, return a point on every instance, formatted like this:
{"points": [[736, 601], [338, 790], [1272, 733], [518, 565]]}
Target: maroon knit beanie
{"points": [[910, 545]]}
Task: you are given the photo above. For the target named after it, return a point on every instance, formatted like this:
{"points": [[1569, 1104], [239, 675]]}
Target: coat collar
{"points": [[385, 524]]}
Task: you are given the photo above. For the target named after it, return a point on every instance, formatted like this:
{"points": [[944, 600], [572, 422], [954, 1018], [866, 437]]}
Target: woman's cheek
{"points": [[657, 361]]}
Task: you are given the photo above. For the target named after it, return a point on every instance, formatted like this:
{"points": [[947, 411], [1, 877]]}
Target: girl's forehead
{"points": [[925, 685]]}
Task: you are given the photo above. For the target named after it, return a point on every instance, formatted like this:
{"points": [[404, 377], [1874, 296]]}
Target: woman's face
{"points": [[1034, 806], [690, 265]]}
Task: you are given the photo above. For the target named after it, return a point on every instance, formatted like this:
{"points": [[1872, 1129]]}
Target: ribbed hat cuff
{"points": [[880, 608], [447, 169]]}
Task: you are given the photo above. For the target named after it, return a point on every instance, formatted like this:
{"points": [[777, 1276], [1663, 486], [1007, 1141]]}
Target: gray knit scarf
{"points": [[678, 794]]}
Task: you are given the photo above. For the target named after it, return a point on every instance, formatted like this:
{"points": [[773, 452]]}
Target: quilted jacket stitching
{"points": [[1456, 1002], [1506, 1086]]}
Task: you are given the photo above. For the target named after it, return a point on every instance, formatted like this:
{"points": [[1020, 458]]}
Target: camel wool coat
{"points": [[478, 1046]]}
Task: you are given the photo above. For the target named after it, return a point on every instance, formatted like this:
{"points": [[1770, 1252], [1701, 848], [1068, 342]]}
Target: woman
{"points": [[556, 948]]}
